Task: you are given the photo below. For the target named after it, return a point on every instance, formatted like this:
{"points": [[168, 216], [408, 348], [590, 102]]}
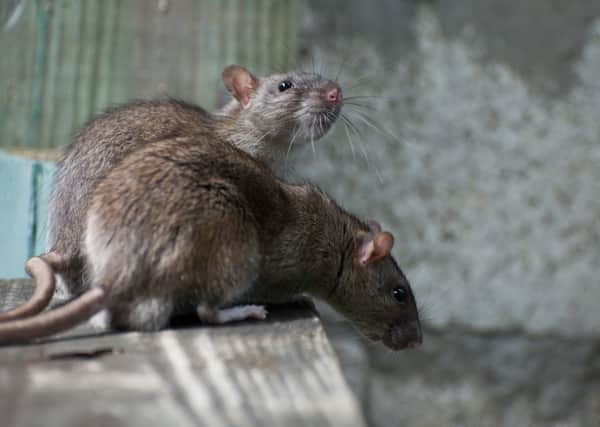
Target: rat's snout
{"points": [[418, 337], [320, 107], [403, 336], [333, 93]]}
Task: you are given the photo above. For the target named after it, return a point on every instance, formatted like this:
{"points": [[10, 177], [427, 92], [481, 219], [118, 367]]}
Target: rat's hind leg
{"points": [[71, 278], [100, 321], [231, 314], [142, 314], [229, 269], [241, 312]]}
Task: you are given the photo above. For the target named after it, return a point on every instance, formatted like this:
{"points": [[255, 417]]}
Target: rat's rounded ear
{"points": [[240, 83], [374, 248], [374, 226]]}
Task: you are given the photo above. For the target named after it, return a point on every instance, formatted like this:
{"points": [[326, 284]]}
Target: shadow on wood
{"points": [[279, 372]]}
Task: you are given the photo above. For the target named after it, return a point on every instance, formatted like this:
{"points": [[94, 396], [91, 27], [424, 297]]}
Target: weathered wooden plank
{"points": [[281, 372]]}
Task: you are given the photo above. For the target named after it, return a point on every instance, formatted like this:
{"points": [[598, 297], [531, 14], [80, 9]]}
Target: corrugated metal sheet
{"points": [[65, 60]]}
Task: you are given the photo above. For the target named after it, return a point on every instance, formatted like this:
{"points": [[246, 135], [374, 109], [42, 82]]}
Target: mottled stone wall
{"points": [[491, 184]]}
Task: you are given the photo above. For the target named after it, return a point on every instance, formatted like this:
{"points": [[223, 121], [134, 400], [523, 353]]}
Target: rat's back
{"points": [[180, 216], [103, 143]]}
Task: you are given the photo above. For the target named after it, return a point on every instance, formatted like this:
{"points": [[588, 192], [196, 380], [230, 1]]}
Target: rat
{"points": [[265, 117], [193, 224]]}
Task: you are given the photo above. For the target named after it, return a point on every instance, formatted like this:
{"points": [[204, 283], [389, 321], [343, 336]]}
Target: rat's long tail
{"points": [[41, 269], [55, 320]]}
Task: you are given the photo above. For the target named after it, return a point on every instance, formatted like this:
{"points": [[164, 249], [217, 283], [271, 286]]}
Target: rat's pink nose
{"points": [[334, 95], [413, 344]]}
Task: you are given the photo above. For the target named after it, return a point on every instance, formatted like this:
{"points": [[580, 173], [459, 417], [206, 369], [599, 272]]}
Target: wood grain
{"points": [[281, 372]]}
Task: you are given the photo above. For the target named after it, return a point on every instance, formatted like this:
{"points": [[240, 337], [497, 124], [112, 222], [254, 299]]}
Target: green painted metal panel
{"points": [[16, 219], [24, 186], [65, 60], [44, 176]]}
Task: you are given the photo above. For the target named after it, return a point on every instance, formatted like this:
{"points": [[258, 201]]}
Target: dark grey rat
{"points": [[192, 223], [264, 118]]}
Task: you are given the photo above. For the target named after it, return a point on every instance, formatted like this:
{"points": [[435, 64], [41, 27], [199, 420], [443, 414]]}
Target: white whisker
{"points": [[349, 138], [374, 125], [287, 154], [312, 137]]}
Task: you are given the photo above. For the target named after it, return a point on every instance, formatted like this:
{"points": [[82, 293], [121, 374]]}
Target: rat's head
{"points": [[373, 293], [294, 107]]}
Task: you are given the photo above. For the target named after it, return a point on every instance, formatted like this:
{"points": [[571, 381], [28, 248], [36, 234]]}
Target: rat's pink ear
{"points": [[240, 83], [372, 249], [374, 226]]}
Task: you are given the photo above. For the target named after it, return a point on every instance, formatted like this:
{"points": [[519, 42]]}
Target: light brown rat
{"points": [[265, 117], [192, 223]]}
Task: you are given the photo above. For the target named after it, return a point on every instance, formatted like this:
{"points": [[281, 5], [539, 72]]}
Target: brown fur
{"points": [[192, 221], [264, 129]]}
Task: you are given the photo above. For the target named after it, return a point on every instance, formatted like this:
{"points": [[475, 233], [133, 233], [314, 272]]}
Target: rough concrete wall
{"points": [[492, 188]]}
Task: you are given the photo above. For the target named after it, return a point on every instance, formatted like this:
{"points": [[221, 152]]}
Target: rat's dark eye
{"points": [[284, 85], [400, 294]]}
